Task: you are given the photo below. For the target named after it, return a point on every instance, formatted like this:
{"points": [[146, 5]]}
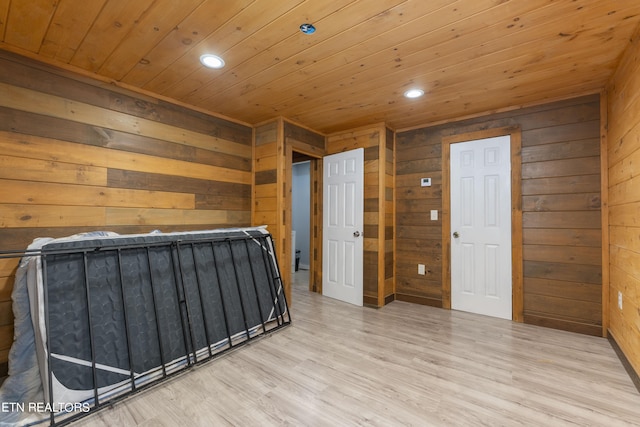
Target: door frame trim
{"points": [[517, 273], [315, 208]]}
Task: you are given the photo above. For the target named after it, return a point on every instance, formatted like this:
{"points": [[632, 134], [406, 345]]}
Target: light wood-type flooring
{"points": [[403, 364]]}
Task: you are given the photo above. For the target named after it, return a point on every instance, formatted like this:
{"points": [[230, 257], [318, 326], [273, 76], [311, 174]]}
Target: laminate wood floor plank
{"points": [[403, 364]]}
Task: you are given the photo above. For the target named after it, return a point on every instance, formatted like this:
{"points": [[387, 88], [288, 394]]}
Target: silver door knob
{"points": [[356, 234], [456, 234]]}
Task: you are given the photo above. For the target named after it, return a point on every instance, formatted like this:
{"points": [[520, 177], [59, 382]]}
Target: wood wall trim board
{"points": [[370, 301], [566, 325], [516, 214], [389, 298], [633, 374], [604, 213], [315, 270], [516, 226], [304, 148], [433, 302], [381, 170], [429, 286], [285, 177]]}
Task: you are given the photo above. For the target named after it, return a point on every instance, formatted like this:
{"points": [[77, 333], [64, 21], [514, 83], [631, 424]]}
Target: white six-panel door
{"points": [[343, 219], [481, 227]]}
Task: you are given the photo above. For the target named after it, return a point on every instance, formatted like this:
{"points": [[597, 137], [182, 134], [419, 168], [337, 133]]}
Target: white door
{"points": [[481, 227], [343, 219]]}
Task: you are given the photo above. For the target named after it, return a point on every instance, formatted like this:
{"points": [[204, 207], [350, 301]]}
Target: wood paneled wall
{"points": [[377, 142], [268, 191], [78, 157], [303, 141], [561, 211], [624, 203], [275, 142]]}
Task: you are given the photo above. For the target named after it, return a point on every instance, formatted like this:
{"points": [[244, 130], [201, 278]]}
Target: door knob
{"points": [[356, 234], [456, 234]]}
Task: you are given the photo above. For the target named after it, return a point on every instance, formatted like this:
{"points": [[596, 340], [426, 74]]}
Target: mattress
{"points": [[112, 314]]}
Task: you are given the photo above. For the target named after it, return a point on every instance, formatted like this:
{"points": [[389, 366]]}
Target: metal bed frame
{"points": [[178, 249]]}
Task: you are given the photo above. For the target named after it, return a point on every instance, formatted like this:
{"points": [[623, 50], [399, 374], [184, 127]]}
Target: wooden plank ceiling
{"points": [[469, 56]]}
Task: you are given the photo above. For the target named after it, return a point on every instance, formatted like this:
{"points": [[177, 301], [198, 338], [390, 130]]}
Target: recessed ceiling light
{"points": [[212, 61], [414, 93]]}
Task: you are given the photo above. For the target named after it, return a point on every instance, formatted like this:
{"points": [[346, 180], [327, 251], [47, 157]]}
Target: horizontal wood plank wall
{"points": [[75, 157], [310, 143], [268, 190], [561, 211], [624, 203], [371, 139]]}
